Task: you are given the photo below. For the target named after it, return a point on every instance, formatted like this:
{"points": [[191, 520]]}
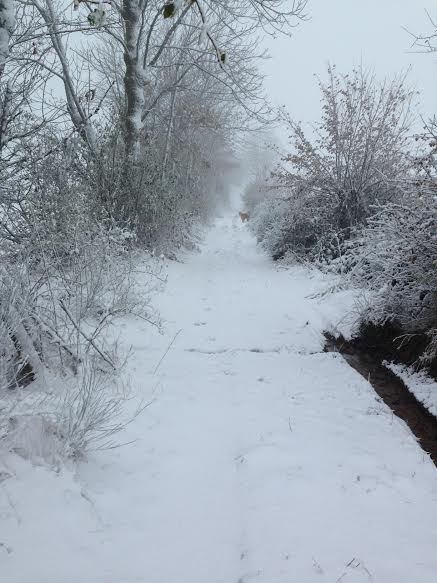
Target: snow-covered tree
{"points": [[359, 145], [352, 160]]}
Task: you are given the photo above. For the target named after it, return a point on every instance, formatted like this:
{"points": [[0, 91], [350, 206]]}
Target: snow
{"points": [[178, 4], [419, 383], [261, 459]]}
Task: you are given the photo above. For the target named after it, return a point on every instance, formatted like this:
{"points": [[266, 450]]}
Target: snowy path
{"points": [[261, 460]]}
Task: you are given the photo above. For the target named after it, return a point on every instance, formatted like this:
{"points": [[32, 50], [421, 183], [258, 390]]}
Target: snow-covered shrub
{"points": [[100, 278], [296, 227], [20, 355], [352, 162], [162, 205], [54, 312], [91, 412], [430, 353], [395, 258], [267, 220], [77, 415], [56, 321]]}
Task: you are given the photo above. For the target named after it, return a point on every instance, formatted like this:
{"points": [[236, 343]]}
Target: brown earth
{"points": [[365, 355]]}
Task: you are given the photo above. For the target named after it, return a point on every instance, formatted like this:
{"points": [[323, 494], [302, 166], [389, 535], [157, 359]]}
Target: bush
{"points": [[395, 259], [55, 317], [354, 160], [296, 227]]}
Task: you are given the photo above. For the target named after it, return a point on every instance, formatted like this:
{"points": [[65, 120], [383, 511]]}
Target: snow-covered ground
{"points": [[419, 383], [261, 459]]}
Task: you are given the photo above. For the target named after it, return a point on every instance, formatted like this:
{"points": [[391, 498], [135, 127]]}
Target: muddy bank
{"points": [[389, 343], [390, 388]]}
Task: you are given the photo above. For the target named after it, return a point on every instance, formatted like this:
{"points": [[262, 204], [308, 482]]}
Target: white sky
{"points": [[347, 32]]}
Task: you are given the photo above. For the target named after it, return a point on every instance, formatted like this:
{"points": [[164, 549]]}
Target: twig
{"points": [[56, 339], [166, 352], [87, 338]]}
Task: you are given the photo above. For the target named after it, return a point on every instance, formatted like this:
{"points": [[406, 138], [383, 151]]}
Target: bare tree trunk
{"points": [[7, 25], [77, 113], [133, 78], [168, 136], [24, 343], [4, 114]]}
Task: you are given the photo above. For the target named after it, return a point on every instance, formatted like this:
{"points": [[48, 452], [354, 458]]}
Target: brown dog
{"points": [[244, 217]]}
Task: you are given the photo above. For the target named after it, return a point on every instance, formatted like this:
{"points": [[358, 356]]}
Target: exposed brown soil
{"points": [[389, 343], [367, 360]]}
